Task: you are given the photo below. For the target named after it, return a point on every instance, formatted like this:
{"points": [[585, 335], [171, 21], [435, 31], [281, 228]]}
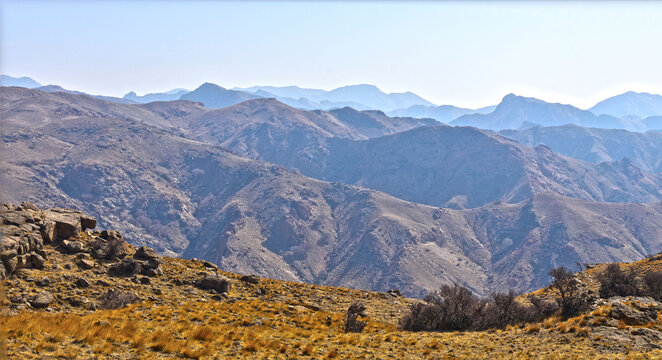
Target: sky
{"points": [[467, 54]]}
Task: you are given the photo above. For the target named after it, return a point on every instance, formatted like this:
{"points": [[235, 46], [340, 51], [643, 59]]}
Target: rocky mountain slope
{"points": [[324, 145], [187, 197], [461, 168], [596, 145], [89, 294]]}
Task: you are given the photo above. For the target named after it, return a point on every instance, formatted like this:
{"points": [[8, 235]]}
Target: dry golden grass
{"points": [[292, 321]]}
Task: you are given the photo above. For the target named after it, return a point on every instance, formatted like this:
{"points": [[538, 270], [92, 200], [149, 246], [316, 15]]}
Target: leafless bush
{"points": [[352, 322], [449, 308], [542, 309], [653, 282], [615, 282], [572, 301]]}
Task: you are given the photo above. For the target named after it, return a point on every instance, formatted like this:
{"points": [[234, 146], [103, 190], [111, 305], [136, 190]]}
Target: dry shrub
{"points": [[532, 328], [572, 301], [653, 283], [616, 282], [332, 354], [352, 322], [203, 333], [454, 308]]}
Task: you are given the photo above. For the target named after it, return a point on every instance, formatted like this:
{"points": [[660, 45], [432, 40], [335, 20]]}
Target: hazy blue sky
{"points": [[467, 54]]}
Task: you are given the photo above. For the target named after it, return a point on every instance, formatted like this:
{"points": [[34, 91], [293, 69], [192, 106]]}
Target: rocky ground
{"points": [[70, 291]]}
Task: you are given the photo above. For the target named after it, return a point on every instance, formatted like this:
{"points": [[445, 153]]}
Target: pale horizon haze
{"points": [[467, 54]]}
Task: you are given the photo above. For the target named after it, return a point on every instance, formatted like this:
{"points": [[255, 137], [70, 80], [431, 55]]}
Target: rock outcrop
{"points": [[24, 230]]}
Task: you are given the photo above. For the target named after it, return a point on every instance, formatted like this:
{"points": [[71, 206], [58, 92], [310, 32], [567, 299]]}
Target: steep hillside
{"points": [[186, 197], [516, 111], [466, 167], [596, 145], [89, 294]]}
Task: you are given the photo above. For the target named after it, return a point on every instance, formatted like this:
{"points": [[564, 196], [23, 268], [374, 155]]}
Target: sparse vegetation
{"points": [[169, 317], [571, 300], [352, 322], [653, 282], [615, 282]]}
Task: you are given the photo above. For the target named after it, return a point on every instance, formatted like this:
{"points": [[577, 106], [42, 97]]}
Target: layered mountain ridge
{"points": [[163, 175]]}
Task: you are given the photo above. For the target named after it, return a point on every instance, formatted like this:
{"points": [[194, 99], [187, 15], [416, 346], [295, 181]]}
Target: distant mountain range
{"points": [[26, 82], [516, 112], [631, 111], [361, 97], [174, 94], [630, 103], [157, 173], [443, 113]]}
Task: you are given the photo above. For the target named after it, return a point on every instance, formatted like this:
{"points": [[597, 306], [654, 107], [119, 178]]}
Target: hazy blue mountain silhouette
{"points": [[442, 113], [26, 82], [630, 103], [57, 88], [174, 94], [360, 97], [515, 111], [214, 96]]}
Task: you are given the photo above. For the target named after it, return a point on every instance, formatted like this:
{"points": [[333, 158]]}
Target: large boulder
{"points": [[42, 300], [16, 218], [218, 283], [9, 261], [109, 246], [28, 206], [633, 316], [73, 247], [145, 253], [37, 261], [67, 222], [126, 267], [88, 222], [49, 231]]}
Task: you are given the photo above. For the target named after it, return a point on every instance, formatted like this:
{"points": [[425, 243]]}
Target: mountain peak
{"points": [[210, 86]]}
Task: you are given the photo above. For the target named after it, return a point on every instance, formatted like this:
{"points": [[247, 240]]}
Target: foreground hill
{"points": [[68, 299], [596, 145]]}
